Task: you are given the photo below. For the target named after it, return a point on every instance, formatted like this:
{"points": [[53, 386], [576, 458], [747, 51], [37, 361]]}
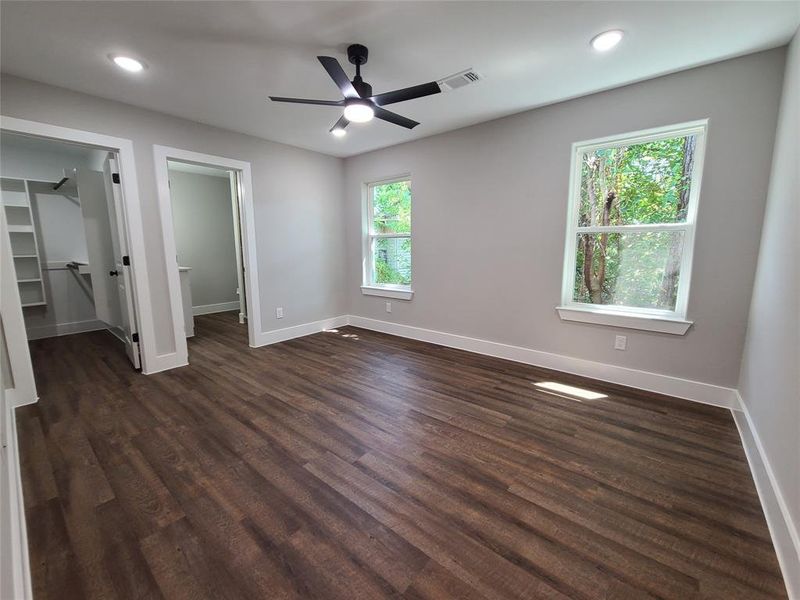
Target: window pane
{"points": [[629, 269], [391, 207], [392, 260], [637, 184]]}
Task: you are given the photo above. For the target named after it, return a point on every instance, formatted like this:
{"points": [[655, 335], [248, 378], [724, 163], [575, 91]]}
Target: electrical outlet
{"points": [[279, 312], [388, 307], [621, 342]]}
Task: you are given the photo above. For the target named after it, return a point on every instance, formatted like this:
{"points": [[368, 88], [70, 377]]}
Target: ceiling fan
{"points": [[360, 105]]}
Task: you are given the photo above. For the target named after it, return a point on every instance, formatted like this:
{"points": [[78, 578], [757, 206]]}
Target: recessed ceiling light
{"points": [[339, 132], [129, 64], [359, 112], [607, 40]]}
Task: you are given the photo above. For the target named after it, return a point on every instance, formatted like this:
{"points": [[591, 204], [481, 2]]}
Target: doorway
{"points": [[64, 215], [23, 388], [207, 219]]}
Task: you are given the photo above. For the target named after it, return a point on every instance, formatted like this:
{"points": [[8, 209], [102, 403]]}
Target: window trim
{"points": [[368, 287], [623, 316]]}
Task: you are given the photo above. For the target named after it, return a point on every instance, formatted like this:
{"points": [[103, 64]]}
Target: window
{"points": [[630, 230], [387, 244]]}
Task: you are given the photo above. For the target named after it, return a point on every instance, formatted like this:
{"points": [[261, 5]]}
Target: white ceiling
{"points": [[216, 62]]}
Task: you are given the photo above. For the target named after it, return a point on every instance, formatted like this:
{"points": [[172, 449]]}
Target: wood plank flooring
{"points": [[351, 464]]}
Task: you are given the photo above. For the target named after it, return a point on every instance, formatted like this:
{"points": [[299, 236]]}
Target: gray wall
{"points": [[489, 218], [202, 214], [770, 379], [297, 196], [42, 160]]}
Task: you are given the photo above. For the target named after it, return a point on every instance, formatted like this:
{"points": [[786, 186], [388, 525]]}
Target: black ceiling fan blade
{"points": [[308, 101], [387, 115], [340, 124], [417, 91], [338, 75]]}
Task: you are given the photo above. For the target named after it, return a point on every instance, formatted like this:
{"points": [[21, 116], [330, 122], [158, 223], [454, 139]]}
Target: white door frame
{"points": [[133, 218], [19, 357], [161, 155]]}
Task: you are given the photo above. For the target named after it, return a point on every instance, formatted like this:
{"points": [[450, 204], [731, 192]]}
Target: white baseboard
{"points": [[17, 567], [654, 382], [782, 528], [58, 329], [643, 380], [281, 335], [15, 398], [696, 391], [207, 309]]}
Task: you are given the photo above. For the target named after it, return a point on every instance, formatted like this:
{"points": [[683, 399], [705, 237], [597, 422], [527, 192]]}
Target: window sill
{"points": [[398, 293], [626, 320]]}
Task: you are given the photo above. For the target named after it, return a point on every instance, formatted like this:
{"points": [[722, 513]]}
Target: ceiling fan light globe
{"points": [[338, 132], [359, 112]]}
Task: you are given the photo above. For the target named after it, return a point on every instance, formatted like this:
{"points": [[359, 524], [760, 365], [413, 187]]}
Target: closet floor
{"points": [[352, 464]]}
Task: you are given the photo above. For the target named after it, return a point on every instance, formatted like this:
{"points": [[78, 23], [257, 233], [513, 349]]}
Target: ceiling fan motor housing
{"points": [[357, 54]]}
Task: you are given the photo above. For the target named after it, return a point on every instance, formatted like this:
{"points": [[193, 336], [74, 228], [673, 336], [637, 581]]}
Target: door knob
{"points": [[113, 273]]}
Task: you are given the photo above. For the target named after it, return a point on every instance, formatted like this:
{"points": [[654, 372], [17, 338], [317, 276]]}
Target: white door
{"points": [[119, 247], [97, 226], [237, 237]]}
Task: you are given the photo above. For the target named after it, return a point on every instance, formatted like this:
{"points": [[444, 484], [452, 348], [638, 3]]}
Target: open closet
{"points": [[63, 212]]}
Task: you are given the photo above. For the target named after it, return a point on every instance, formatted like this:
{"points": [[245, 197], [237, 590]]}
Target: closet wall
{"points": [[68, 308]]}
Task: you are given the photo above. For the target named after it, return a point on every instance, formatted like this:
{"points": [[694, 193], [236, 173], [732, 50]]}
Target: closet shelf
{"points": [[18, 202]]}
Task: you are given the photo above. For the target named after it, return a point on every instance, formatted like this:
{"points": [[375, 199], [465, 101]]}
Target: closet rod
{"points": [[60, 183]]}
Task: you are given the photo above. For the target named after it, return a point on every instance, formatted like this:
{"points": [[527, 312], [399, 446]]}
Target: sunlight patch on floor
{"points": [[569, 389], [344, 335]]}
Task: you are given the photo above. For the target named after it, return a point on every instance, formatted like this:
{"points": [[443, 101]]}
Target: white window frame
{"points": [[368, 287], [664, 321]]}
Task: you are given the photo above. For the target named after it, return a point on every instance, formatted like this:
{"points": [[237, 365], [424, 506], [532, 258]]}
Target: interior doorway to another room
{"points": [[65, 218], [206, 210], [205, 218]]}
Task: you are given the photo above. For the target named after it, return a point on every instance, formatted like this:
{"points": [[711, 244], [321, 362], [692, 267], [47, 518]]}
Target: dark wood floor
{"points": [[352, 464]]}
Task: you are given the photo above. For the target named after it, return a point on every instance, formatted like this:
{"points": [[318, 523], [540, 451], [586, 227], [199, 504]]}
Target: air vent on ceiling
{"points": [[453, 82]]}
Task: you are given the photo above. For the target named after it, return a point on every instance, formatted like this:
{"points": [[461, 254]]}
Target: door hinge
{"points": [[126, 260], [135, 338], [115, 177]]}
